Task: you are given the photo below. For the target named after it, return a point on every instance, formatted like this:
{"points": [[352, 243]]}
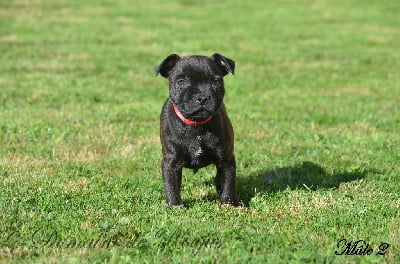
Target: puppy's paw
{"points": [[227, 200]]}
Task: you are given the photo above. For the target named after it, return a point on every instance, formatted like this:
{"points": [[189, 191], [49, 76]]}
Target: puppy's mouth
{"points": [[199, 114], [193, 121]]}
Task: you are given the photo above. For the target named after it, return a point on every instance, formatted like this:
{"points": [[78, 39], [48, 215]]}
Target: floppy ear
{"points": [[225, 64], [166, 65]]}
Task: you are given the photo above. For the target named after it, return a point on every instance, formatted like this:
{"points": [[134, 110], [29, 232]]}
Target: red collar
{"points": [[188, 121]]}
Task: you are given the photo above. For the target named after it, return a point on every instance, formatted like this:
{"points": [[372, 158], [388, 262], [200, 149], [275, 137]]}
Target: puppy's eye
{"points": [[181, 83], [216, 83]]}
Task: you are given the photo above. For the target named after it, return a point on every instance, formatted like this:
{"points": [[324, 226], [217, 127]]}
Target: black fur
{"points": [[196, 87]]}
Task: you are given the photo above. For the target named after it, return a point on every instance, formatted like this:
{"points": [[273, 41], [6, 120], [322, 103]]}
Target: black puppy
{"points": [[194, 127]]}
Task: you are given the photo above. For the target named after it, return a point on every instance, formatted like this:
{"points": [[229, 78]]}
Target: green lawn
{"points": [[314, 103]]}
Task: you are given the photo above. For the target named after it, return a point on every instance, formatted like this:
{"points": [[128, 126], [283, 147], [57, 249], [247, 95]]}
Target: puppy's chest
{"points": [[203, 149], [199, 146]]}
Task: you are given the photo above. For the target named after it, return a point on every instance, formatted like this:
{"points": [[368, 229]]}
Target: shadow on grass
{"points": [[308, 175]]}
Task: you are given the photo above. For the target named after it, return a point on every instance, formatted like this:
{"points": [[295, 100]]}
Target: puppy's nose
{"points": [[201, 100]]}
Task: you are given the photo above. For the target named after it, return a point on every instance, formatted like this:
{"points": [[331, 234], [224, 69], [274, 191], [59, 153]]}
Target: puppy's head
{"points": [[196, 83]]}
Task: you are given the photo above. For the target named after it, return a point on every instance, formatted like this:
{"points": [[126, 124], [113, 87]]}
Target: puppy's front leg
{"points": [[172, 177], [226, 182]]}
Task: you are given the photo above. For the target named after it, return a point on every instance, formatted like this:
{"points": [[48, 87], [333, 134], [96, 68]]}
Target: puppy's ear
{"points": [[166, 65], [225, 64]]}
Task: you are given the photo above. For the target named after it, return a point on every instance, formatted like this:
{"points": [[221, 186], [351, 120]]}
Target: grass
{"points": [[314, 104]]}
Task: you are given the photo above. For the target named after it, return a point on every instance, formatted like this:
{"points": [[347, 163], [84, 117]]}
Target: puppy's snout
{"points": [[202, 100]]}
